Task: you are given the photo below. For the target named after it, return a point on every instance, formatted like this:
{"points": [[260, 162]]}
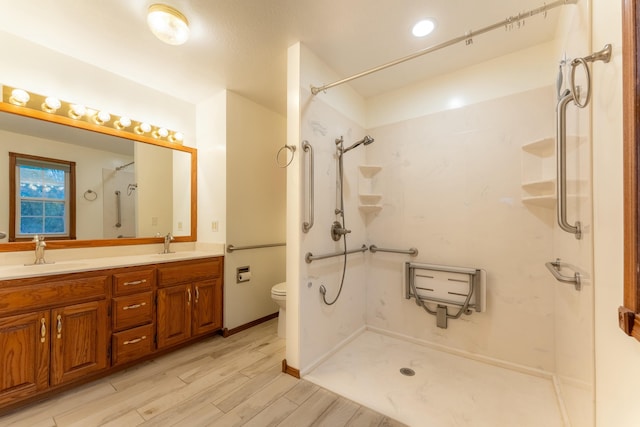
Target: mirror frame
{"points": [[629, 313], [66, 244]]}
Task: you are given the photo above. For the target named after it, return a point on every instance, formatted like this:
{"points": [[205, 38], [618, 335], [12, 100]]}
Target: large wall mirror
{"points": [[129, 188], [629, 313]]}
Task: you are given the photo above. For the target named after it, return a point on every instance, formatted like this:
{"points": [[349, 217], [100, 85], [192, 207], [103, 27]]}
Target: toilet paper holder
{"points": [[243, 274]]}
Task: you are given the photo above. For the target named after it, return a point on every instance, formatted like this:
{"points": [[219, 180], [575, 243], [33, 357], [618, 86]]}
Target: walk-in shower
{"points": [[339, 229]]}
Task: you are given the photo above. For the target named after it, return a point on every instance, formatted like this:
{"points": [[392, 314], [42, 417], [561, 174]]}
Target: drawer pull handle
{"points": [[132, 306], [197, 294], [189, 298], [43, 330], [59, 327], [135, 282], [135, 340]]}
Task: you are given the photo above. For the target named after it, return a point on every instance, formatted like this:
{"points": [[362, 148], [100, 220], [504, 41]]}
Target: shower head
{"points": [[366, 141]]}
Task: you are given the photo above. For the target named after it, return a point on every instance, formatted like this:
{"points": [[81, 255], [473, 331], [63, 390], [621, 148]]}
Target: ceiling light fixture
{"points": [[167, 24], [423, 28]]}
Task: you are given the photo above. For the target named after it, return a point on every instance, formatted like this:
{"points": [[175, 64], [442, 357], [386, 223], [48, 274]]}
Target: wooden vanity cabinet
{"points": [[189, 300], [52, 331], [24, 355], [66, 328], [132, 314], [78, 341]]}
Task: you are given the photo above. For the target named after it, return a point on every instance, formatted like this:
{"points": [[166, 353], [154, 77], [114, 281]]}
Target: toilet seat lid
{"points": [[279, 289]]}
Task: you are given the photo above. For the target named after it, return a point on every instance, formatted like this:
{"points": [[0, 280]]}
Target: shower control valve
{"points": [[337, 231]]}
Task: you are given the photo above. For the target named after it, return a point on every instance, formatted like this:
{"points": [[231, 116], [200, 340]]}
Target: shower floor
{"points": [[446, 390]]}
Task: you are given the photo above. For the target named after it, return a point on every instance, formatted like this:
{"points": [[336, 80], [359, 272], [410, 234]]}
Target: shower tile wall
{"points": [[451, 186], [323, 327]]}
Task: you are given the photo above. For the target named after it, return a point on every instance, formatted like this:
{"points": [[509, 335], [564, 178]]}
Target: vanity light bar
{"points": [[52, 105]]}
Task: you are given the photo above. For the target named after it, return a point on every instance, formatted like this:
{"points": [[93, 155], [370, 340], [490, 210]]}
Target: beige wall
{"points": [[256, 208], [617, 356], [154, 176]]}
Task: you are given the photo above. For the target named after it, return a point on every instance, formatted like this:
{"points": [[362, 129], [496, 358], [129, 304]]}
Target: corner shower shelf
{"points": [[542, 201], [369, 200], [541, 148], [544, 186], [368, 171], [538, 173]]}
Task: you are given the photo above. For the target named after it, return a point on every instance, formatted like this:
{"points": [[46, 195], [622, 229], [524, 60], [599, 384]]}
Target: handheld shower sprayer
{"points": [[364, 141], [339, 230]]}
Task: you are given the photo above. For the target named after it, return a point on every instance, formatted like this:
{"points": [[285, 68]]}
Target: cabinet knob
{"points": [[189, 296], [135, 282], [197, 294]]}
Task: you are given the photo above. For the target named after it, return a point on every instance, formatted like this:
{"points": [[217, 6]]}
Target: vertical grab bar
{"points": [[118, 209], [561, 154], [572, 94], [306, 226]]}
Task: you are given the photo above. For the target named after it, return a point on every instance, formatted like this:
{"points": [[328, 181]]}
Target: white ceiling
{"points": [[242, 45]]}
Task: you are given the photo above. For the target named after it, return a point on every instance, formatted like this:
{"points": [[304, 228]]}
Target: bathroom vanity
{"points": [[64, 326]]}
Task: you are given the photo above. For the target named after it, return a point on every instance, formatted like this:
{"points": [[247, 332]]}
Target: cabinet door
{"points": [[174, 315], [24, 355], [207, 306], [79, 341]]}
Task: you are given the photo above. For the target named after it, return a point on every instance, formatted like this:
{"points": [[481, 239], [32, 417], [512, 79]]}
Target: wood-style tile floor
{"points": [[235, 381]]}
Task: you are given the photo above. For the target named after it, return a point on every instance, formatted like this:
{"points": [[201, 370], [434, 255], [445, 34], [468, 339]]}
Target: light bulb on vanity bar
{"points": [[51, 104], [19, 97], [122, 123], [142, 128]]}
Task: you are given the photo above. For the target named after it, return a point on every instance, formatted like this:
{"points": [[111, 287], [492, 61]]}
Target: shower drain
{"points": [[407, 372]]}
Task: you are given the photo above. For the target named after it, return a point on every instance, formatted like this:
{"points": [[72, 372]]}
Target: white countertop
{"points": [[90, 264]]}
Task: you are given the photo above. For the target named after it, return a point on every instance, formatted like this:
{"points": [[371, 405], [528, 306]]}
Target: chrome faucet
{"points": [[40, 245], [167, 241]]}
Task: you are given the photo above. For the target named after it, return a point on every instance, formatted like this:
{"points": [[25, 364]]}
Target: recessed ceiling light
{"points": [[423, 28], [167, 24]]}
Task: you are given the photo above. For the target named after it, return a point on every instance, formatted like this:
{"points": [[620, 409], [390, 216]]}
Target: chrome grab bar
{"points": [[561, 155], [118, 210], [555, 267], [231, 248], [411, 251], [572, 94], [306, 226], [309, 257]]}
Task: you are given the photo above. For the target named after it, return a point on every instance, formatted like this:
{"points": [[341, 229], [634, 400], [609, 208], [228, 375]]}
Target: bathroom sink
{"points": [[175, 255], [15, 271]]}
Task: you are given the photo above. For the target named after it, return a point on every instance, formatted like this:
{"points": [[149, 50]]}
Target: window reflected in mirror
{"points": [[42, 198]]}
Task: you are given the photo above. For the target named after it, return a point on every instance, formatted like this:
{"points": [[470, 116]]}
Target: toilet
{"points": [[279, 295]]}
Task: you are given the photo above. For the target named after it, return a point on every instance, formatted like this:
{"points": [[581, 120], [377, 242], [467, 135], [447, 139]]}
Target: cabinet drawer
{"points": [[133, 281], [132, 310], [132, 344], [39, 295], [184, 272]]}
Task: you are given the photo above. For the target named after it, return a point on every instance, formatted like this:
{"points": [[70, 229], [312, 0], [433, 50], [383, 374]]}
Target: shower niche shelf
{"points": [[369, 199]]}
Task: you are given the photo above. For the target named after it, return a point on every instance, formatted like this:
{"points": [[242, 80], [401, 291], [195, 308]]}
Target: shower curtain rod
{"points": [[467, 37], [124, 166]]}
